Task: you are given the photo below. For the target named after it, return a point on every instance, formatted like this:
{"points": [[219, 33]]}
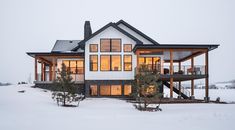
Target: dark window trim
{"points": [[110, 44], [124, 63], [124, 48], [90, 47], [93, 62], [110, 56]]}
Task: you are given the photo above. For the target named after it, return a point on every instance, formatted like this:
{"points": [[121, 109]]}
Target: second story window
{"points": [[127, 48], [110, 45], [127, 62], [93, 62], [93, 47], [110, 63]]}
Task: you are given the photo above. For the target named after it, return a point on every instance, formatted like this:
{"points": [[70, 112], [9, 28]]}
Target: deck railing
{"points": [[183, 70]]}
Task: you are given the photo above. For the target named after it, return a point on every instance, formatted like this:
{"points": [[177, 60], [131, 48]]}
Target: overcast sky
{"points": [[29, 25]]}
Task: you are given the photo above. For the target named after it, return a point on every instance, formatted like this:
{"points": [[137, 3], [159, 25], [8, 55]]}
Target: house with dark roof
{"points": [[104, 63]]}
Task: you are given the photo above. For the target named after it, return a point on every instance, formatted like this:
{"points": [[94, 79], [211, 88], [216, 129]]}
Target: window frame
{"points": [[93, 45], [111, 59], [124, 63], [127, 45], [110, 44], [68, 68], [93, 62]]}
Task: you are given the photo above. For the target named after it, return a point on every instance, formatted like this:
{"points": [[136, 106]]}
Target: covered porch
{"points": [[176, 63], [46, 66]]}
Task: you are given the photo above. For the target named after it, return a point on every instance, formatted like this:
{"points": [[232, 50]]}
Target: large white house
{"points": [[104, 62]]}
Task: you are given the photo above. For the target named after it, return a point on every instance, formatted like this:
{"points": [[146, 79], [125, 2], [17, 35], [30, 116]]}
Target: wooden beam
{"points": [[44, 72], [50, 72], [192, 81], [42, 69], [44, 60], [171, 73], [207, 77], [192, 55], [53, 68], [36, 69]]}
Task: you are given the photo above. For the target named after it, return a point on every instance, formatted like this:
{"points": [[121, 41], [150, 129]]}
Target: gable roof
{"points": [[137, 31], [82, 43], [65, 45]]}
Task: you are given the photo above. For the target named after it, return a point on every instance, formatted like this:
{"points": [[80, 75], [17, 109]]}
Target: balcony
{"points": [[180, 73]]}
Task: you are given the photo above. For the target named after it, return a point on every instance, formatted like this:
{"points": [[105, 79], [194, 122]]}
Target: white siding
{"points": [[145, 41], [108, 75]]}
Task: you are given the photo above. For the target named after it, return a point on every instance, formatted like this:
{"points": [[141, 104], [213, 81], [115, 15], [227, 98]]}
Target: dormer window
{"points": [[110, 45]]}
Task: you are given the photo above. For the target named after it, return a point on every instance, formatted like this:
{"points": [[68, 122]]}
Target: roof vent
{"points": [[70, 41], [87, 29]]}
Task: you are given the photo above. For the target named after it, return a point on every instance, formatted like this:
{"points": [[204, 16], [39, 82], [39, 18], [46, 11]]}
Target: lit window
{"points": [[127, 47], [127, 89], [105, 45], [105, 90], [105, 62], [110, 45], [116, 62], [93, 63], [116, 45], [74, 66], [93, 90], [116, 90], [93, 47], [110, 63], [127, 62]]}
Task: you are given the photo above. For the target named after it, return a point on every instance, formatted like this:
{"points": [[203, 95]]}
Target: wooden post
{"points": [[171, 74], [50, 72], [207, 77], [53, 69], [36, 68], [179, 96], [192, 81], [42, 70]]}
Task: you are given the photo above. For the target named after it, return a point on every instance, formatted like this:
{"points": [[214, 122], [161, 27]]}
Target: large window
{"points": [[74, 66], [128, 62], [127, 48], [105, 62], [105, 90], [116, 90], [127, 89], [152, 62], [110, 45], [93, 63], [93, 47], [110, 63], [93, 90]]}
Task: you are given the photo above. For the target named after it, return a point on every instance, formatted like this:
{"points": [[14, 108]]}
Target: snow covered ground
{"points": [[227, 95], [35, 110]]}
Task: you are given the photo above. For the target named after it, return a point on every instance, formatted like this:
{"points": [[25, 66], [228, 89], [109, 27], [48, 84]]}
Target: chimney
{"points": [[87, 29]]}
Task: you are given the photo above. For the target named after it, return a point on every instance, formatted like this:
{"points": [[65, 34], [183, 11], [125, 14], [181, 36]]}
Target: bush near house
{"points": [[147, 85], [65, 92]]}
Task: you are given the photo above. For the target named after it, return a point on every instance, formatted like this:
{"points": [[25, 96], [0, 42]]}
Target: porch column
{"points": [[50, 72], [42, 70], [179, 96], [207, 98], [53, 68], [36, 68], [171, 73], [192, 81]]}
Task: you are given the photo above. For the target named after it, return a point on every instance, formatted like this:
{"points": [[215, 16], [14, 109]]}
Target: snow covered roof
{"points": [[65, 45]]}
